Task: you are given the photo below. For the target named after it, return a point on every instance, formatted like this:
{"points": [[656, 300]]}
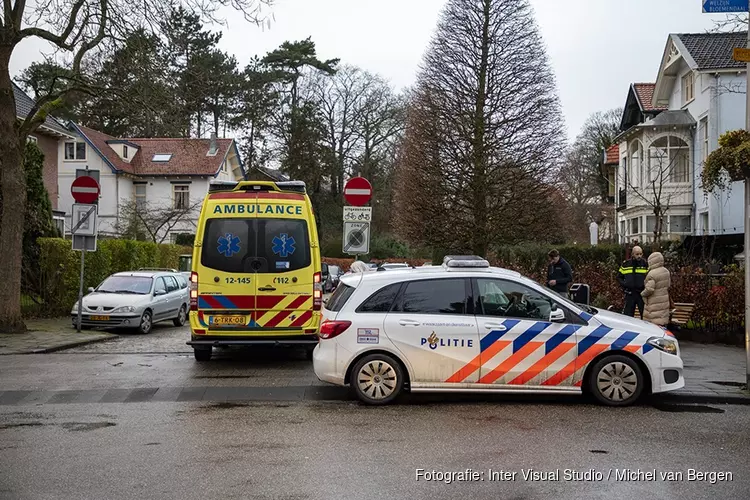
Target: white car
{"points": [[465, 326], [135, 300]]}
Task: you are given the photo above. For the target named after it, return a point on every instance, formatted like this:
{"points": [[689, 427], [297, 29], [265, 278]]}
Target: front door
{"points": [[433, 325], [520, 344]]}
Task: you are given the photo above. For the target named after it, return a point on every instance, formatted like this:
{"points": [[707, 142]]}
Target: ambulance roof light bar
{"points": [[216, 186], [464, 262]]}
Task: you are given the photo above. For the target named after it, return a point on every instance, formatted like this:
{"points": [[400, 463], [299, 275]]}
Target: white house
{"points": [[158, 174], [668, 129]]}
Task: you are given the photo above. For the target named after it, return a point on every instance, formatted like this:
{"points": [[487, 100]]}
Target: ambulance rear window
{"points": [[236, 245]]}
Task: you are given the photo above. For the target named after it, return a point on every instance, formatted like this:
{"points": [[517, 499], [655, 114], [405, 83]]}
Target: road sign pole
{"points": [[80, 293], [747, 229]]}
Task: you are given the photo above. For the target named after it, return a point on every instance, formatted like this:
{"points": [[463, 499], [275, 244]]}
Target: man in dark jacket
{"points": [[559, 273], [632, 279]]}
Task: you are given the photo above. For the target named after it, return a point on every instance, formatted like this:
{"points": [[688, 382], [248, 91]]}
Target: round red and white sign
{"points": [[358, 191], [85, 189]]}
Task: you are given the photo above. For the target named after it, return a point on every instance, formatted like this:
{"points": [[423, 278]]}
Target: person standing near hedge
{"points": [[656, 291], [632, 279], [559, 273]]}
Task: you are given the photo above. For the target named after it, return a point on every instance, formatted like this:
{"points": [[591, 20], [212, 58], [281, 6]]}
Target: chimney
{"points": [[213, 147]]}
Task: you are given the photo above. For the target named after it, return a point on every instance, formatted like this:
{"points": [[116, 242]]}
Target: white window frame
{"points": [[124, 151], [671, 178], [75, 151], [140, 199], [688, 88], [178, 203], [33, 139], [705, 137]]}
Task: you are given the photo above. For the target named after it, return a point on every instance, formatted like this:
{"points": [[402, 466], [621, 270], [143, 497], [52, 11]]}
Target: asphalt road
{"points": [[139, 418], [343, 450]]}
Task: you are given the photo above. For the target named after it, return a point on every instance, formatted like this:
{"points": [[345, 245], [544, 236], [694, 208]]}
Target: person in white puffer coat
{"points": [[656, 293]]}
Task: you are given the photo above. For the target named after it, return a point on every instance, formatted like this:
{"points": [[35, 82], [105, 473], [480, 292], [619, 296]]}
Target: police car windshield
{"points": [[255, 245]]}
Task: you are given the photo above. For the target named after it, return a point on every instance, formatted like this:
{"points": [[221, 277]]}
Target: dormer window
{"points": [[162, 157], [124, 151]]}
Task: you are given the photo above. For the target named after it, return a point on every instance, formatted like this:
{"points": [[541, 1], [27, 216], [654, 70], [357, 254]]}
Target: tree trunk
{"points": [[13, 208], [479, 158]]}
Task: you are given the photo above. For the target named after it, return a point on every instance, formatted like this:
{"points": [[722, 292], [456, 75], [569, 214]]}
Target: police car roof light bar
{"points": [[465, 261]]}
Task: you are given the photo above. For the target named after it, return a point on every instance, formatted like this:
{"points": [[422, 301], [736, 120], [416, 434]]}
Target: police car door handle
{"points": [[495, 326], [408, 322]]}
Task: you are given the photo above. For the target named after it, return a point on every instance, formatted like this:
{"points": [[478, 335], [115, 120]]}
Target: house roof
{"points": [[612, 155], [273, 174], [681, 118], [189, 156], [24, 104], [644, 92], [714, 50]]}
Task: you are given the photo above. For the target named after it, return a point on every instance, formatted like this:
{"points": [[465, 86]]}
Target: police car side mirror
{"points": [[557, 315]]}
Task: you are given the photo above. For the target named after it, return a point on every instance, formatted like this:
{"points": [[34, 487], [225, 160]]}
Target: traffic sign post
{"points": [[729, 6], [724, 6], [83, 230], [358, 191], [356, 238], [357, 214], [85, 190]]}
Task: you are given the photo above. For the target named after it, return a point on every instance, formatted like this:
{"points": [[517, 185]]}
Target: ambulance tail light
{"points": [[317, 292], [193, 291], [331, 329]]}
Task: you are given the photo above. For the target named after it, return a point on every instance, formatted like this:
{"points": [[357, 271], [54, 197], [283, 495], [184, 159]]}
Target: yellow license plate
{"points": [[228, 320], [100, 318]]}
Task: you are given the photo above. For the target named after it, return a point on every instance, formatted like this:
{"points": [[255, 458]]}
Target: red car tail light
{"points": [[331, 329]]}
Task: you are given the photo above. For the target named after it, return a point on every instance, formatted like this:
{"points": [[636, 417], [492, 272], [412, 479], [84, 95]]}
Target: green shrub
{"points": [[60, 266]]}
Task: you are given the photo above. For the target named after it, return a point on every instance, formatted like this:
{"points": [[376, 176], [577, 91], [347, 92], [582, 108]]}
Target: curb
{"points": [[62, 347], [727, 399]]}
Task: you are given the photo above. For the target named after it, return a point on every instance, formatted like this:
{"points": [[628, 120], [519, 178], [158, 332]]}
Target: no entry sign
{"points": [[85, 189], [358, 191]]}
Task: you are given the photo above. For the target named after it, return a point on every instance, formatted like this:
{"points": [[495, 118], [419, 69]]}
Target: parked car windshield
{"points": [[334, 270], [126, 284]]}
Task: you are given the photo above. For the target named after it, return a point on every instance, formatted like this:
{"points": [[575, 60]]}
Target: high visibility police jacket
{"points": [[632, 275]]}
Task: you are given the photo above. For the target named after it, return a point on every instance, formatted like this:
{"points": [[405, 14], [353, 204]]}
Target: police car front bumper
{"points": [[668, 375]]}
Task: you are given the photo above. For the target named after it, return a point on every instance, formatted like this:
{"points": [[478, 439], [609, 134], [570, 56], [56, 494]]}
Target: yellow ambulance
{"points": [[256, 273]]}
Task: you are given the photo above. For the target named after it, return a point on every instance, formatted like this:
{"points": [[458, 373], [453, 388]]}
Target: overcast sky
{"points": [[596, 47]]}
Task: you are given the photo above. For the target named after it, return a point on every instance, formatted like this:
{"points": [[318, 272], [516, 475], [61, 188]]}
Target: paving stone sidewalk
{"points": [[713, 373], [48, 335]]}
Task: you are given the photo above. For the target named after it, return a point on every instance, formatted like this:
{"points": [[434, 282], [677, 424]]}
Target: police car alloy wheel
{"points": [[377, 379], [616, 381]]}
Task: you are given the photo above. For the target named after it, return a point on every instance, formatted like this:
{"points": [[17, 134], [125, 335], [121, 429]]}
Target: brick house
{"points": [[47, 137]]}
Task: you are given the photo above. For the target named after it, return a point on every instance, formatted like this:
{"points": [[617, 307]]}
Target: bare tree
{"points": [[78, 30], [484, 130], [340, 98], [582, 179], [660, 179], [155, 221]]}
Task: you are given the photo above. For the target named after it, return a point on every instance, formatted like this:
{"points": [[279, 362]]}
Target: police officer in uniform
{"points": [[632, 278]]}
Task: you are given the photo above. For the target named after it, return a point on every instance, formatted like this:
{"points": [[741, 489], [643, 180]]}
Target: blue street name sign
{"points": [[719, 6]]}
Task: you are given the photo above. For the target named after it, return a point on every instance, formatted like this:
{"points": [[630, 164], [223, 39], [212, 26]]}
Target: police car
{"points": [[466, 326]]}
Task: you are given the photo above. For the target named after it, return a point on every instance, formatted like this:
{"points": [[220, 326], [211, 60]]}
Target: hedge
{"points": [[60, 266]]}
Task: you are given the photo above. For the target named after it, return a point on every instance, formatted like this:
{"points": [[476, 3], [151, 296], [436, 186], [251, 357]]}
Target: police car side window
{"points": [[443, 296], [380, 301], [512, 300]]}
